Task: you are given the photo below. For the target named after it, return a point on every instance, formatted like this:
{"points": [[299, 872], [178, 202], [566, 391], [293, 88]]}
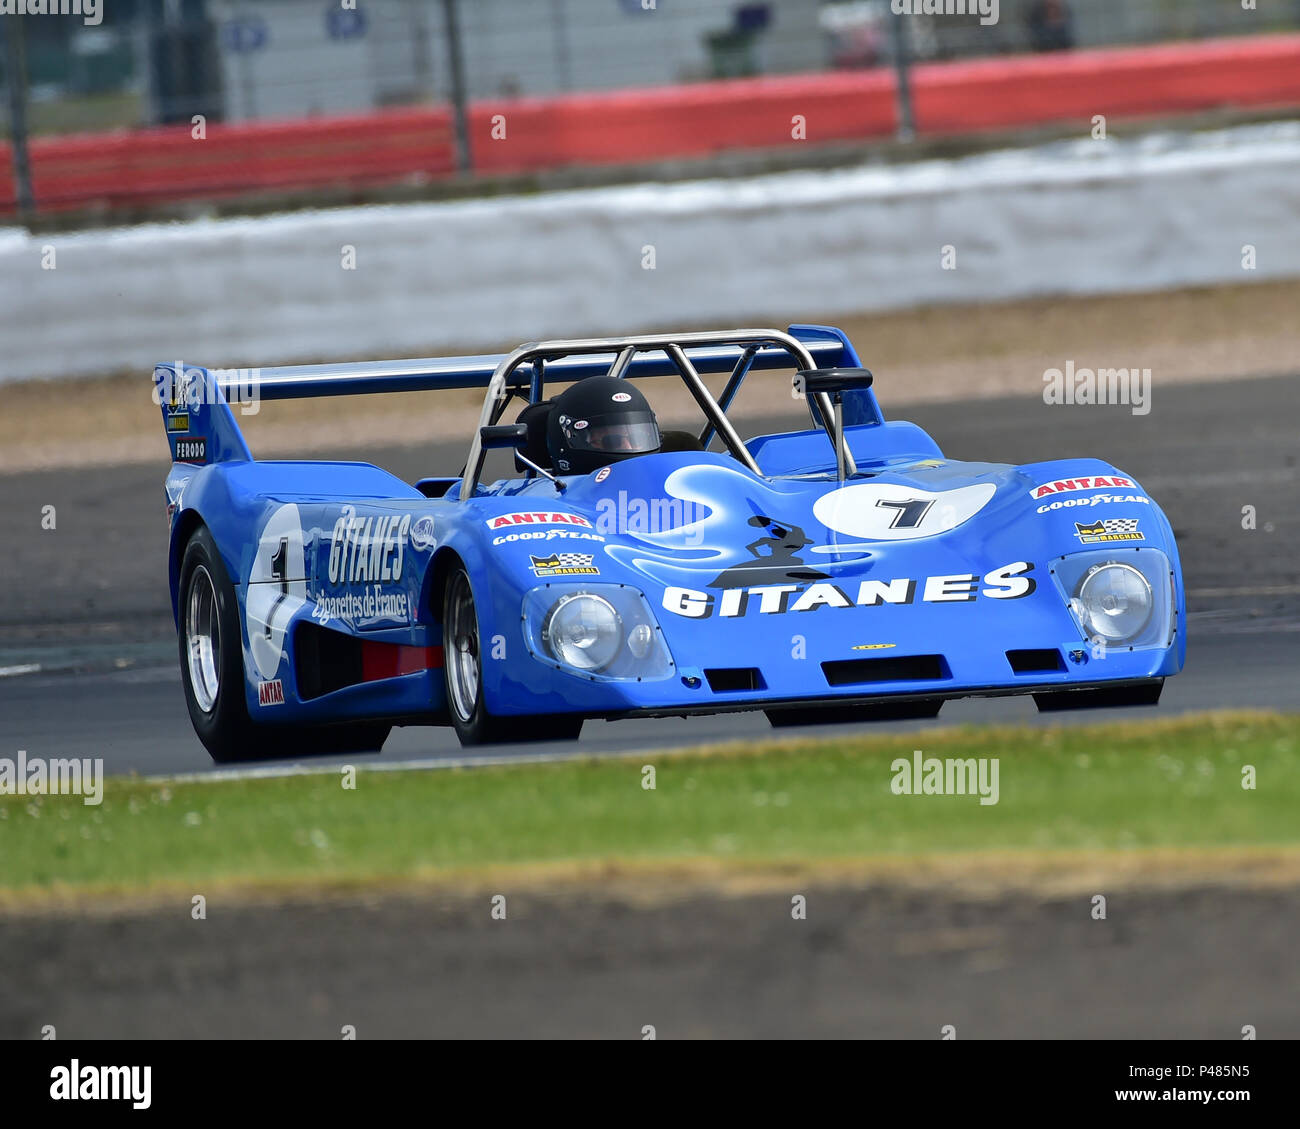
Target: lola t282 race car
{"points": [[841, 570]]}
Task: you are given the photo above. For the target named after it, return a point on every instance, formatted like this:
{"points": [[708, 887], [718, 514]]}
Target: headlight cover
{"points": [[1121, 599], [605, 632]]}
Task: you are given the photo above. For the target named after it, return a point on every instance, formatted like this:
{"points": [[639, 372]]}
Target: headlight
{"points": [[1113, 602], [583, 631], [602, 632]]}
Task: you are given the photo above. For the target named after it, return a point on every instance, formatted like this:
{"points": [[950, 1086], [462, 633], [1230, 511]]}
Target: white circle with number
{"points": [[277, 587], [887, 511]]}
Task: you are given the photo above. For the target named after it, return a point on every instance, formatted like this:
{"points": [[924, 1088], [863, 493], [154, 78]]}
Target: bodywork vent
{"points": [[326, 660], [730, 678], [1045, 661], [913, 668]]}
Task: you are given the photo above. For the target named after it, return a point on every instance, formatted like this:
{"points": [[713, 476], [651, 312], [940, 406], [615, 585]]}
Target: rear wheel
{"points": [[212, 673], [463, 675]]}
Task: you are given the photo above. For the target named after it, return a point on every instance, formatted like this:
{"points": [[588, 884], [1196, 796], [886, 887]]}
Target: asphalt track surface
{"points": [[87, 602]]}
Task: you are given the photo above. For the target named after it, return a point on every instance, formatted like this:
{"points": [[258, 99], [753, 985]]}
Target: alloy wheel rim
{"points": [[203, 640], [462, 651]]}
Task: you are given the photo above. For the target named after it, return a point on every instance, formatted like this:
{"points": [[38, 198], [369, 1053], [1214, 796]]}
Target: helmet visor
{"points": [[627, 433]]}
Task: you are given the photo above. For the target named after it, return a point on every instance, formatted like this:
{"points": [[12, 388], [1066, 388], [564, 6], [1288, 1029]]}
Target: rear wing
{"points": [[201, 428]]}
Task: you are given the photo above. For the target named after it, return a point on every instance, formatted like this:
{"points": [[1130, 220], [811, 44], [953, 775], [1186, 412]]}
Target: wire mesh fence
{"points": [[106, 98], [150, 62]]}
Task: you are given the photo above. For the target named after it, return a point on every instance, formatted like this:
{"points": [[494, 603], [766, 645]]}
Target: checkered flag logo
{"points": [[1120, 524], [563, 560]]}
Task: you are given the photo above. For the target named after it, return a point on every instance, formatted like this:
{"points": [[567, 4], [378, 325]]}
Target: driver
{"points": [[599, 421]]}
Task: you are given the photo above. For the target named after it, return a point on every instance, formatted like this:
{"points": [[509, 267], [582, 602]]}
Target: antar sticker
{"points": [[542, 517], [270, 693], [1066, 485], [1011, 582]]}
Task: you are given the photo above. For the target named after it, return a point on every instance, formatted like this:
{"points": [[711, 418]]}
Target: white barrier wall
{"points": [[1075, 218]]}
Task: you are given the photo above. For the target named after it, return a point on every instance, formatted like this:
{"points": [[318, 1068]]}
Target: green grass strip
{"points": [[1169, 783]]}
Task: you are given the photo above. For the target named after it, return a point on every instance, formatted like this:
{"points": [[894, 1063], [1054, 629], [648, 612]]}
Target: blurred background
{"points": [[301, 94]]}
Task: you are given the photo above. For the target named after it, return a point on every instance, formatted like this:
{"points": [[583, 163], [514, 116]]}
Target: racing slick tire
{"points": [[212, 673], [463, 676]]}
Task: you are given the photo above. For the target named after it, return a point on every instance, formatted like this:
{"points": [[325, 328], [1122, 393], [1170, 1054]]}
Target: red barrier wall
{"points": [[1167, 79], [139, 167], [635, 126]]}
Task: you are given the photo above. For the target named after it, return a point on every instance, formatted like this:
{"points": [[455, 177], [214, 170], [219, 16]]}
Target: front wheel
{"points": [[463, 675]]}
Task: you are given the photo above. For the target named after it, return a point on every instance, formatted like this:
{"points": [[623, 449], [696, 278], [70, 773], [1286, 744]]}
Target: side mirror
{"points": [[514, 436], [503, 436], [813, 381]]}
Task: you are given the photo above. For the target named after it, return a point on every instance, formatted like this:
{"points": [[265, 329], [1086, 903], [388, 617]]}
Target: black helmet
{"points": [[598, 421]]}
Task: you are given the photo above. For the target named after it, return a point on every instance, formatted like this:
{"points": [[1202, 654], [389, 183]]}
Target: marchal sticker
{"points": [[564, 564], [1108, 530]]}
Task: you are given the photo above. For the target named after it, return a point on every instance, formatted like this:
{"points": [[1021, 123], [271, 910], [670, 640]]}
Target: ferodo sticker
{"points": [[539, 517], [192, 450], [1068, 485]]}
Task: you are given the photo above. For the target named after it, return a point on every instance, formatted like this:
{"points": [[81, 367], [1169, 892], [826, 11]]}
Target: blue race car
{"points": [[840, 571]]}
